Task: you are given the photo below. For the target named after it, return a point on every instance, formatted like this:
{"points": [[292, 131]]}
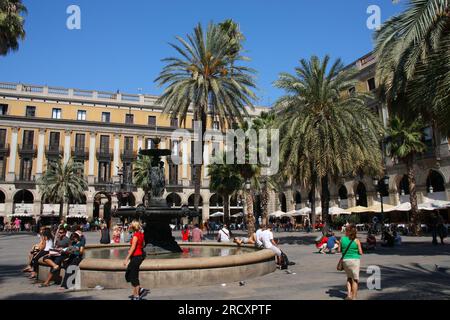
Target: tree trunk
{"points": [[61, 210], [250, 214], [226, 209], [265, 204], [198, 167], [325, 200], [313, 202], [415, 223]]}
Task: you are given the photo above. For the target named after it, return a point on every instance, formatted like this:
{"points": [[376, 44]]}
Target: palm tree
{"points": [[142, 175], [265, 121], [207, 76], [413, 68], [11, 25], [225, 179], [404, 142], [63, 182], [326, 133]]}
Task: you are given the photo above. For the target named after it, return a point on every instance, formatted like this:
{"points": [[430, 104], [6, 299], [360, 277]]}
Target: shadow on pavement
{"points": [[405, 282], [304, 239], [11, 271], [412, 249], [46, 296]]}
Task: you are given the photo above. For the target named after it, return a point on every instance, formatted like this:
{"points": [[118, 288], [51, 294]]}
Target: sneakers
{"points": [[143, 292]]}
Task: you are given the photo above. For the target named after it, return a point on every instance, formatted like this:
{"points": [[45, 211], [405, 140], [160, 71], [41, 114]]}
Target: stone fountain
{"points": [[156, 215]]}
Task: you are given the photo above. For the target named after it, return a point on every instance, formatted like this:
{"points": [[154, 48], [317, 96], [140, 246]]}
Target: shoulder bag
{"points": [[340, 266]]}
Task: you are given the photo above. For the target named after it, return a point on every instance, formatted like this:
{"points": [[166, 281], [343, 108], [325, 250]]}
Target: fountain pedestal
{"points": [[157, 215]]}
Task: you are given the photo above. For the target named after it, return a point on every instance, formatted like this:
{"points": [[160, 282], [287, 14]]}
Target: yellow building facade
{"points": [[102, 130]]}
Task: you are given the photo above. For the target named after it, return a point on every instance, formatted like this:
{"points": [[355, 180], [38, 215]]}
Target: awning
{"points": [[21, 215], [77, 216], [277, 214], [335, 211], [217, 214], [429, 205], [377, 207], [238, 215], [358, 209]]}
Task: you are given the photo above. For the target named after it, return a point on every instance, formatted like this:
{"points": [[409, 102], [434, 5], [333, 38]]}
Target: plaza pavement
{"points": [[415, 270]]}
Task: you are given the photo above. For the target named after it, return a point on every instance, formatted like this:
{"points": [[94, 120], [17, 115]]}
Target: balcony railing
{"points": [[53, 151], [101, 180], [128, 155], [105, 154], [80, 153], [25, 179], [142, 99], [27, 149], [4, 149]]}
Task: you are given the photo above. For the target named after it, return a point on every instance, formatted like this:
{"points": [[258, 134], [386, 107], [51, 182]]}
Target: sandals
{"points": [[43, 285]]}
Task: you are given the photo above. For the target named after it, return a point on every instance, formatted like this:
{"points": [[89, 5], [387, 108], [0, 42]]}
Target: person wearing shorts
{"points": [[352, 251]]}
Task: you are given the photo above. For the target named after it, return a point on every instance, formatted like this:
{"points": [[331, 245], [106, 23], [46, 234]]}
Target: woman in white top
{"points": [[48, 238], [224, 234]]}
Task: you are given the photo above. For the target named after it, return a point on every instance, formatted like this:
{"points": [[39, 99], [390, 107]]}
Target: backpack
{"points": [[284, 261]]}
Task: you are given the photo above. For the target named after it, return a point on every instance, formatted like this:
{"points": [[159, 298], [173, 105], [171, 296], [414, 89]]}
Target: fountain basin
{"points": [[163, 272]]}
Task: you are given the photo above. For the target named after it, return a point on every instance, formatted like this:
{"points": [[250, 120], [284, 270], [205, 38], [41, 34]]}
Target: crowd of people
{"points": [[63, 246], [58, 250]]}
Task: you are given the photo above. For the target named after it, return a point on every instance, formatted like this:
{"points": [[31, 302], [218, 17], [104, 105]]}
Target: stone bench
{"points": [[44, 270]]}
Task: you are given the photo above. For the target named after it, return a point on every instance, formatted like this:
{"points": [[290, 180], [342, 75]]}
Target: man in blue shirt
{"points": [[332, 244]]}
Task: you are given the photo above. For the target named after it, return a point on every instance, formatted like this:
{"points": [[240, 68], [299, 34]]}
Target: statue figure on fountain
{"points": [[158, 181]]}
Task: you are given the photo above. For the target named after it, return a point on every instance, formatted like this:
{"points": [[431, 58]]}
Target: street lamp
{"points": [[378, 186]]}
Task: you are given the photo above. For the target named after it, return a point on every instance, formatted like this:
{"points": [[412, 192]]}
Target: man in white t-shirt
{"points": [[224, 234], [269, 243], [259, 232]]}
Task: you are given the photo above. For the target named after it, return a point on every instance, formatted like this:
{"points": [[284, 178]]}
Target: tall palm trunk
{"points": [[198, 167], [250, 214], [313, 202], [61, 210], [265, 203], [226, 208], [325, 200], [413, 196]]}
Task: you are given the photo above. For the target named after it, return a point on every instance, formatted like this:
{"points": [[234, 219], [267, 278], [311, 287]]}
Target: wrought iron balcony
{"points": [[130, 155], [25, 182], [53, 151], [105, 154], [4, 149], [80, 153], [27, 150]]}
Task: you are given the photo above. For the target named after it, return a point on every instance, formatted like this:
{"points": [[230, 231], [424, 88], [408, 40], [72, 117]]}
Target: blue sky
{"points": [[121, 43]]}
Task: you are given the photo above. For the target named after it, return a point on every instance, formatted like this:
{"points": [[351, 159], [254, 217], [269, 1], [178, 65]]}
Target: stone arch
{"points": [[342, 192], [173, 200], [127, 199], [216, 200], [102, 200], [435, 181], [191, 200], [403, 185], [283, 201], [24, 195], [361, 194], [298, 198]]}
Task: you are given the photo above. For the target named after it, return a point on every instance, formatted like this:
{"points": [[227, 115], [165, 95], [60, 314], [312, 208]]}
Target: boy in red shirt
{"points": [[322, 244]]}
